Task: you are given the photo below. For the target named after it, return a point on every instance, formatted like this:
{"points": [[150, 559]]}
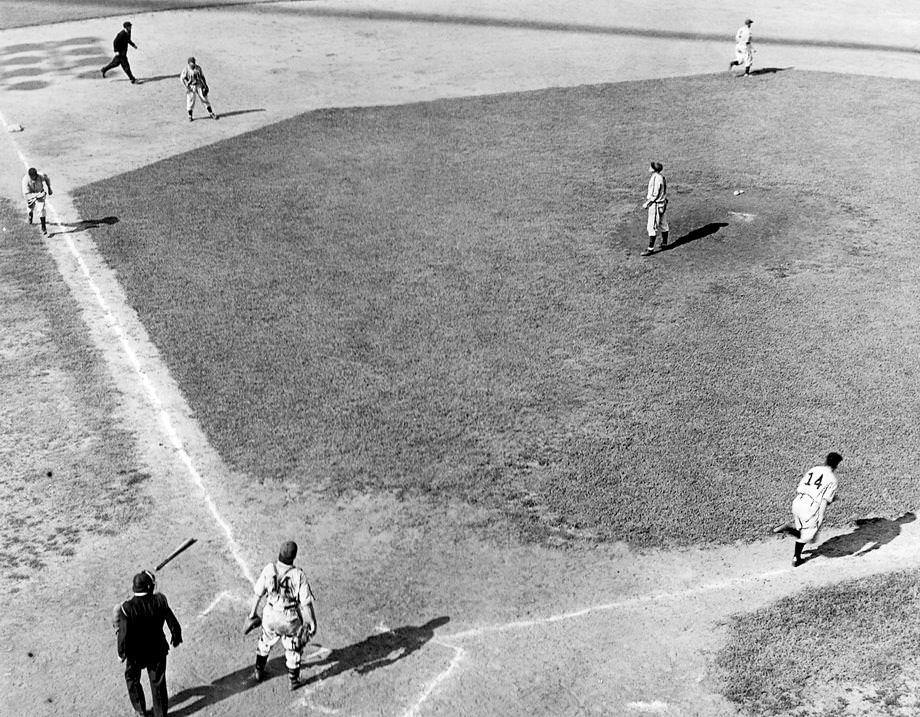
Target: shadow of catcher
{"points": [[372, 653]]}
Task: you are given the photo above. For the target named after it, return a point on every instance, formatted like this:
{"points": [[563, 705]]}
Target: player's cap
{"points": [[657, 166], [749, 22], [143, 582], [833, 460], [287, 553], [191, 60], [33, 172], [126, 24]]}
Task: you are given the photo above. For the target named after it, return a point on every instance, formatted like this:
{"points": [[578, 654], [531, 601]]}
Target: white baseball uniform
{"points": [[657, 200], [815, 491], [34, 192], [744, 51], [196, 86], [282, 617]]}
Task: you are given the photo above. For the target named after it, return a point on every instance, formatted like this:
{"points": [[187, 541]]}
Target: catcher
{"points": [[35, 188], [196, 86], [288, 614]]}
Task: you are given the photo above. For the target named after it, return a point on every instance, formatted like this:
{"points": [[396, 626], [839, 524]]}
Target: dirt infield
{"points": [[463, 620]]}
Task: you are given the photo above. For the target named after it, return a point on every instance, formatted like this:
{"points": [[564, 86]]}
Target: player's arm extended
{"points": [[48, 183]]}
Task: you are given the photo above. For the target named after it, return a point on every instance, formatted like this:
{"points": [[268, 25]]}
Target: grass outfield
{"points": [[16, 13], [845, 649], [447, 299]]}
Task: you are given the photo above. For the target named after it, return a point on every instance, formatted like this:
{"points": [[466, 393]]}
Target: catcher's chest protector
{"points": [[282, 612]]}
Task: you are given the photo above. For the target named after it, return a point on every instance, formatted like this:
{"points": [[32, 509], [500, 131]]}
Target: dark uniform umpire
{"points": [[142, 644], [120, 45]]}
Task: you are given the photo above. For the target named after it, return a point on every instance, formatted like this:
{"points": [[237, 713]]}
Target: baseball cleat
{"points": [[191, 119], [648, 252], [102, 71], [214, 116]]}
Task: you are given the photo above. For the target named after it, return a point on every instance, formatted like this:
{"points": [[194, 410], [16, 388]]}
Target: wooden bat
{"points": [[185, 546]]}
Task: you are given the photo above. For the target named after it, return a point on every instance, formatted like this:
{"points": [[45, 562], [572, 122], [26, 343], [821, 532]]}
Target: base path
{"points": [[531, 630]]}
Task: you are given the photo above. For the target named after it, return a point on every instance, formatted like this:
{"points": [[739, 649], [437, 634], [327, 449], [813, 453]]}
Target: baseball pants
{"points": [[36, 206], [656, 219], [809, 516], [291, 644], [192, 95]]}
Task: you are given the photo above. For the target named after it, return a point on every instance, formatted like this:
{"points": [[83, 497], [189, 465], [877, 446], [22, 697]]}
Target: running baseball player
{"points": [[816, 490], [656, 202], [288, 614], [196, 87], [744, 51], [35, 188]]}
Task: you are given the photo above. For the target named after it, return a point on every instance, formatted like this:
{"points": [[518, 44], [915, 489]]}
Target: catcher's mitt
{"points": [[251, 624]]}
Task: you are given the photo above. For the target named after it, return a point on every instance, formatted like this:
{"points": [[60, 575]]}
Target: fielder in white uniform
{"points": [[816, 490], [196, 86], [34, 185], [288, 614], [656, 202], [744, 50]]}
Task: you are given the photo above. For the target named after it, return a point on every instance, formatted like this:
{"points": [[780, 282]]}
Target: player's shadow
{"points": [[84, 225], [698, 233], [157, 78], [223, 687], [234, 113], [769, 70], [870, 534], [370, 654], [380, 650]]}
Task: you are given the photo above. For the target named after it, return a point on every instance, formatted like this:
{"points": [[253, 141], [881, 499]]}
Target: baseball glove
{"points": [[251, 624], [204, 90]]}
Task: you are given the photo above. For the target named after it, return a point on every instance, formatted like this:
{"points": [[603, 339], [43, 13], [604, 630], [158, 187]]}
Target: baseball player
{"points": [[120, 45], [196, 87], [288, 614], [656, 202], [35, 187], [744, 51], [816, 490]]}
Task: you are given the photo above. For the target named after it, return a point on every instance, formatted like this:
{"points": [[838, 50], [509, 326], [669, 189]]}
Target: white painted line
{"points": [[151, 392], [459, 654], [653, 707], [626, 602]]}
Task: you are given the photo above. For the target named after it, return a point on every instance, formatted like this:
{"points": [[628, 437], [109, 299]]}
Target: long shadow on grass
{"points": [[769, 70], [870, 534], [694, 234], [157, 78], [234, 113], [84, 225], [376, 651], [222, 688]]}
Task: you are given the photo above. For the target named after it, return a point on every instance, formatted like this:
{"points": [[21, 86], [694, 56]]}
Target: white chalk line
{"points": [[152, 396], [446, 640]]}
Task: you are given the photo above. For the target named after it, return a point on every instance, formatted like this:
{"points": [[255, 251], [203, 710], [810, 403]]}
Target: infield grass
{"points": [[846, 649], [447, 299]]}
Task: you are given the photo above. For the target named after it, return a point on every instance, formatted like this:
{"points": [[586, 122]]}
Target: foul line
{"points": [[152, 396], [460, 653]]}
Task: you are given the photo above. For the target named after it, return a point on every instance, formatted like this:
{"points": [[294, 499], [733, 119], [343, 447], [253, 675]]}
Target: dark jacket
{"points": [[122, 40], [140, 628]]}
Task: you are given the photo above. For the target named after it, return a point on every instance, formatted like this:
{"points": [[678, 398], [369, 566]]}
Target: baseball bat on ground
{"points": [[185, 546]]}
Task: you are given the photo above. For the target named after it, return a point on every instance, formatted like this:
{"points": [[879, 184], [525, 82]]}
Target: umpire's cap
{"points": [[287, 553], [143, 582], [833, 460]]}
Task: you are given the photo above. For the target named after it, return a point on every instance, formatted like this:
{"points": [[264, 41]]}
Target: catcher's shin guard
{"points": [[259, 671]]}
